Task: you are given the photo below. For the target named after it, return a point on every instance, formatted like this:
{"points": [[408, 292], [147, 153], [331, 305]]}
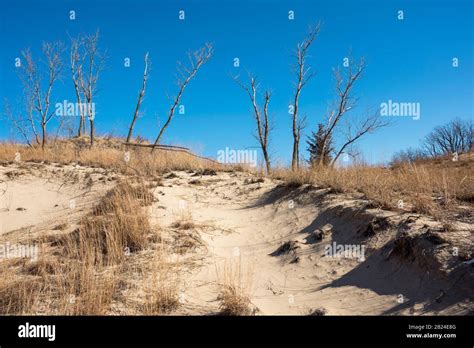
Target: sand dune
{"points": [[247, 223], [276, 237]]}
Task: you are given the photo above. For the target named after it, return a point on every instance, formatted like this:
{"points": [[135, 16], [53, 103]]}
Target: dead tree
{"points": [[37, 95], [356, 127], [140, 99], [263, 126], [77, 60], [89, 75], [303, 75], [196, 60]]}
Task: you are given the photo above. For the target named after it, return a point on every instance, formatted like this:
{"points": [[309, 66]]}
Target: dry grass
{"points": [[109, 154], [235, 287], [83, 270], [117, 226], [161, 292], [428, 188], [184, 221], [79, 272], [17, 296]]}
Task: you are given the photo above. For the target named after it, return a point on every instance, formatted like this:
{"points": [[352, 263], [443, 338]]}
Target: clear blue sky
{"points": [[408, 61]]}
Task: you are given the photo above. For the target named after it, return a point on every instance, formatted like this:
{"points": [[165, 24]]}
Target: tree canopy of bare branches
{"points": [[356, 127], [456, 136], [186, 73], [303, 75], [140, 99], [263, 125], [87, 62], [38, 86]]}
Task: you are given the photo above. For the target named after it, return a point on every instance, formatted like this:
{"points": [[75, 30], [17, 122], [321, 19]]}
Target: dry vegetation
{"points": [[435, 187], [235, 287], [109, 153], [82, 272], [87, 270]]}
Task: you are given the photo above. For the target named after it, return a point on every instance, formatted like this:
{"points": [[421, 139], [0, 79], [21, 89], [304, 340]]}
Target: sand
{"points": [[246, 224], [278, 236]]}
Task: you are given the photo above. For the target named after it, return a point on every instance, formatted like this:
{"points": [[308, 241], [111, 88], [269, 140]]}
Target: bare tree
{"points": [[77, 60], [140, 99], [263, 125], [88, 75], [196, 60], [39, 97], [345, 102], [303, 75], [455, 136]]}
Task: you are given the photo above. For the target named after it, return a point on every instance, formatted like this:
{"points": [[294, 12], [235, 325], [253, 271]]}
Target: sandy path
{"points": [[241, 228]]}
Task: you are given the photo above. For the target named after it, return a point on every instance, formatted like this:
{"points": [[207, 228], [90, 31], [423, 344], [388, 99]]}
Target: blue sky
{"points": [[408, 61]]}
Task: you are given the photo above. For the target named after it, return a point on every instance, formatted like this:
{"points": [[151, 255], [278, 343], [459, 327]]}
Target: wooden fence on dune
{"points": [[173, 148]]}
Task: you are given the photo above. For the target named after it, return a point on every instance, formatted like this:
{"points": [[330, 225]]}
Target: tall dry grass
{"points": [[79, 272], [424, 188], [109, 154], [161, 287], [235, 283]]}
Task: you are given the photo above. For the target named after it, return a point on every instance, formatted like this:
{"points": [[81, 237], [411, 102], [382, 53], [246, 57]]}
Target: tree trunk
{"points": [[295, 157], [130, 131], [140, 98], [296, 140], [81, 126], [43, 131], [92, 132], [267, 160]]}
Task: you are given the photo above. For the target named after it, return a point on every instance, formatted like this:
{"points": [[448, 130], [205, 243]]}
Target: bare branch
{"points": [[197, 59], [88, 76], [303, 75], [344, 83], [17, 123], [368, 124], [41, 99], [140, 99], [263, 124]]}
